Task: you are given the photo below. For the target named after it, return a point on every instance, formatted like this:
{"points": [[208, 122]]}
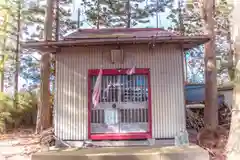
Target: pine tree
{"points": [[11, 42], [63, 17], [116, 13], [158, 6], [214, 20], [61, 25], [3, 34], [190, 15], [192, 21], [34, 15], [31, 14]]}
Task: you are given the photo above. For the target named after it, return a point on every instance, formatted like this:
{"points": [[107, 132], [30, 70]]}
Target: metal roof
{"points": [[83, 37], [119, 33]]}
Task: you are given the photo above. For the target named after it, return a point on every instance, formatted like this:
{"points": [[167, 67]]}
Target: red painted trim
{"points": [[120, 136], [94, 72], [149, 104], [89, 106]]}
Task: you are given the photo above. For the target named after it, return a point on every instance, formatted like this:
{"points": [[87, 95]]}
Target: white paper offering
{"points": [[110, 116]]}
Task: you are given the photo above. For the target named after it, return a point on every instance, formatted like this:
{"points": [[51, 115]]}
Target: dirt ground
{"points": [[18, 145], [22, 143]]}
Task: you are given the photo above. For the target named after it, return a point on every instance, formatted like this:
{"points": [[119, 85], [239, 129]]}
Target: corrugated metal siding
{"points": [[166, 69]]}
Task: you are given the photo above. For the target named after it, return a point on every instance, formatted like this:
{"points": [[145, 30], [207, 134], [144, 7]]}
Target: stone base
{"points": [[135, 143], [126, 153]]}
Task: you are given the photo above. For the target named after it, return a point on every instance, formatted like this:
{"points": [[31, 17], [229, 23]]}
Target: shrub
{"points": [[24, 113]]}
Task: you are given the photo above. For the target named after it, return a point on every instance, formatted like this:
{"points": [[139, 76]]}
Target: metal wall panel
{"points": [[71, 98]]}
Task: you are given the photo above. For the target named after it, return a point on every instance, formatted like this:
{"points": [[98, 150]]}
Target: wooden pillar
{"points": [[45, 92]]}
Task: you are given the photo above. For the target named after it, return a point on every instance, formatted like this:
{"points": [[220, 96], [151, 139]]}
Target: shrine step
{"points": [[133, 153]]}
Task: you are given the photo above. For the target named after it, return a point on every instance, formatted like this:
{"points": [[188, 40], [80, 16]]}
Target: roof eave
{"points": [[51, 46]]}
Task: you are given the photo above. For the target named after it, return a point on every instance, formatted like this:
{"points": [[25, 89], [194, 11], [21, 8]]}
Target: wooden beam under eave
{"points": [[188, 46], [42, 51], [46, 50]]}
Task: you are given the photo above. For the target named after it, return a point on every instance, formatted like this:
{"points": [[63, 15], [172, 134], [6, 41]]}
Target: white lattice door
{"points": [[123, 106]]}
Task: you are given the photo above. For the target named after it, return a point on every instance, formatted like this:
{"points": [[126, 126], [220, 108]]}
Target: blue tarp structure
{"points": [[195, 94]]}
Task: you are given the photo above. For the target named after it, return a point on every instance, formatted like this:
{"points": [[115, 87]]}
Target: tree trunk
{"points": [[2, 61], [98, 14], [211, 105], [57, 20], [48, 20], [233, 146], [157, 15], [128, 8], [17, 65], [230, 65], [2, 54], [180, 18], [44, 121]]}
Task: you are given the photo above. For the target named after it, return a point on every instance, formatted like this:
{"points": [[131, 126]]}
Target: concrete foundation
{"points": [[127, 153]]}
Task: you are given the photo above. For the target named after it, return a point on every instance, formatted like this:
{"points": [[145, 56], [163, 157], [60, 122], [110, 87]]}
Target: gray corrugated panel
{"points": [[71, 106]]}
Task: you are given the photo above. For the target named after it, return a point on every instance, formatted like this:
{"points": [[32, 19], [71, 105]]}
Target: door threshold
{"points": [[124, 136]]}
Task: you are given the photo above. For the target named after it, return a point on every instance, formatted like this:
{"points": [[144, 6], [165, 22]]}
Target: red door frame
{"points": [[120, 136]]}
